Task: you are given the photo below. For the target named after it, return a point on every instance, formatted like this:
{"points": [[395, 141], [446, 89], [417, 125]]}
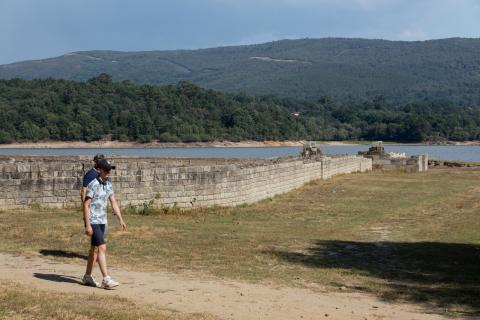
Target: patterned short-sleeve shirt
{"points": [[99, 193]]}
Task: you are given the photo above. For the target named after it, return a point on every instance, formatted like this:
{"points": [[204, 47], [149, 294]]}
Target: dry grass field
{"points": [[20, 302], [403, 237]]}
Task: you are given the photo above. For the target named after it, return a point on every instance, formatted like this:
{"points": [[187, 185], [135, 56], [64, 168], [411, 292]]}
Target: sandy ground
{"points": [[119, 144], [223, 299]]}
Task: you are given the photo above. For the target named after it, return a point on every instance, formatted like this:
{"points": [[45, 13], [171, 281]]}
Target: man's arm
{"points": [[117, 213], [83, 193], [86, 216]]}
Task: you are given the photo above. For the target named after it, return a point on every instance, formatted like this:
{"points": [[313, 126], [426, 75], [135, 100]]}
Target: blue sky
{"points": [[33, 29]]}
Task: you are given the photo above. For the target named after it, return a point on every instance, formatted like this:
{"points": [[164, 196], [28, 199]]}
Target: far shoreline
{"points": [[215, 144]]}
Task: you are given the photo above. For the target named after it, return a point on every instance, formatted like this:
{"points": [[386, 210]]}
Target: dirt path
{"points": [[128, 144], [224, 299]]}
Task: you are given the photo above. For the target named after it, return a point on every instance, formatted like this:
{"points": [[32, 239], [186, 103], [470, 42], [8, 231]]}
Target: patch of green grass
{"points": [[400, 235], [18, 302]]}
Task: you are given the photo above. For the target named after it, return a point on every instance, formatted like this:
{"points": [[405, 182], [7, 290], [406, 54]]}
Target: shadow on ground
{"points": [[57, 278], [443, 274], [63, 254]]}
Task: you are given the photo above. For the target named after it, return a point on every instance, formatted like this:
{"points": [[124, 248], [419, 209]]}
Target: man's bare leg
{"points": [[107, 283], [102, 259], [92, 258]]}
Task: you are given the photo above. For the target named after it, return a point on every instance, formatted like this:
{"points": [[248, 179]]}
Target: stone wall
{"points": [[185, 183], [416, 163]]}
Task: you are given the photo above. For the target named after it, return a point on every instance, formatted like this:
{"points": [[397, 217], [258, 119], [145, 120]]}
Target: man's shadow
{"points": [[57, 278], [63, 254]]}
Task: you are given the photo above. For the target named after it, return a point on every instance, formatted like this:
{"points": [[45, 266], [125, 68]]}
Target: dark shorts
{"points": [[98, 236]]}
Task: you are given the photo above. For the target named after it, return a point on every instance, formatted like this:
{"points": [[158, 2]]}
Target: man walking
{"points": [[99, 191]]}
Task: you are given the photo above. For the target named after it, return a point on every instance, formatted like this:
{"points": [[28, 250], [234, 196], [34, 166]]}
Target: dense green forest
{"points": [[33, 110], [344, 69]]}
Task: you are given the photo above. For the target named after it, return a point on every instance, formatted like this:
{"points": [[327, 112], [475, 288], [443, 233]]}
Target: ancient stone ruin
{"points": [[55, 181], [311, 149], [389, 160]]}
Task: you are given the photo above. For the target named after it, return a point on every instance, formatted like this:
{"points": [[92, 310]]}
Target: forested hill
{"points": [[345, 69], [66, 110]]}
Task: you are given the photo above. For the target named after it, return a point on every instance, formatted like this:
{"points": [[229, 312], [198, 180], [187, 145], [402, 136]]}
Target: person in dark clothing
{"points": [[91, 174]]}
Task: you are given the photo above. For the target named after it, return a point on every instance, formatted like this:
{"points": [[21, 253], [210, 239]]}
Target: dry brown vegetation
{"points": [[404, 237], [19, 302]]}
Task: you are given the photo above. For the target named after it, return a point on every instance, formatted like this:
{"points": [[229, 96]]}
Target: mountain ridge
{"points": [[343, 68]]}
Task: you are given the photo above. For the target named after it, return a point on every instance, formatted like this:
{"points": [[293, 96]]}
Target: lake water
{"points": [[460, 153]]}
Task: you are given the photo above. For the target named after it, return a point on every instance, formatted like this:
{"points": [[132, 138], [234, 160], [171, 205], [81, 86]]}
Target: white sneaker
{"points": [[89, 280], [109, 283]]}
